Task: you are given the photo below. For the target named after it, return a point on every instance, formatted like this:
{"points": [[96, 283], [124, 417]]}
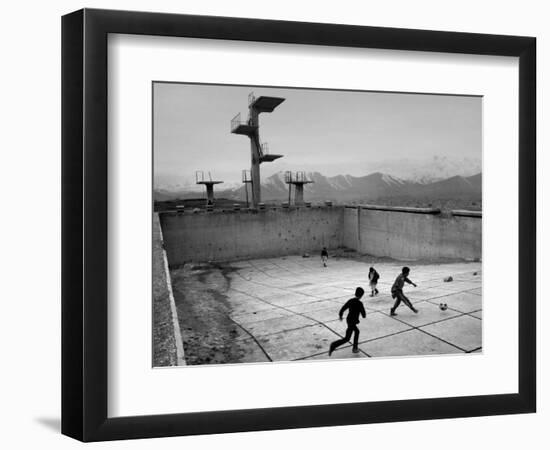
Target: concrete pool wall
{"points": [[396, 232], [219, 235], [413, 233]]}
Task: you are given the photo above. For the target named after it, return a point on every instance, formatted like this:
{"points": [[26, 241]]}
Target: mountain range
{"points": [[347, 188]]}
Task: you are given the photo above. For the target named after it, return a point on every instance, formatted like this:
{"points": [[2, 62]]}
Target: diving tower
{"points": [[298, 179], [251, 128], [199, 179]]}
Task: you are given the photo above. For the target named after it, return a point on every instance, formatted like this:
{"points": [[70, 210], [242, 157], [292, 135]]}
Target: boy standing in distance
{"points": [[355, 307], [397, 291], [324, 256], [373, 281]]}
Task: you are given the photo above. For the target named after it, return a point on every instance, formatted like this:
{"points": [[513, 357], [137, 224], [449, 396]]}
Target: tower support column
{"points": [[299, 194], [255, 159], [210, 194], [255, 175]]}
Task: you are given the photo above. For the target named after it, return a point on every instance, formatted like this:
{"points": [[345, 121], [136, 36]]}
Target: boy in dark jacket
{"points": [[373, 281], [355, 307], [397, 291], [324, 256]]}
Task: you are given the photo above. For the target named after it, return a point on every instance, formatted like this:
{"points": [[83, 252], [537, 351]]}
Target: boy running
{"points": [[397, 291], [355, 307]]}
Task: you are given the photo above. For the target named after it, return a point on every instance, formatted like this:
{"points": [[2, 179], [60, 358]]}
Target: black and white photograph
{"points": [[295, 224], [275, 225]]}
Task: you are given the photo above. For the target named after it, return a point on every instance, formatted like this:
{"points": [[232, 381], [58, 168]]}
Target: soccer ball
{"points": [[443, 306]]}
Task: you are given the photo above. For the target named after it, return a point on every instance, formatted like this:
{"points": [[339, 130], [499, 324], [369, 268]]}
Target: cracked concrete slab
{"points": [[427, 313], [325, 316], [464, 301], [478, 314], [416, 295], [377, 325], [288, 299], [339, 353], [296, 344], [379, 302], [309, 307], [250, 306], [259, 316], [463, 331], [408, 343], [277, 325]]}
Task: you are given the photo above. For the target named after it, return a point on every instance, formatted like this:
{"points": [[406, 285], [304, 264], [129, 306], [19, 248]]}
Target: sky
{"points": [[328, 131]]}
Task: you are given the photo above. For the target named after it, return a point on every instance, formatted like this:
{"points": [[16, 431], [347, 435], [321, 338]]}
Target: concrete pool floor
{"points": [[286, 309]]}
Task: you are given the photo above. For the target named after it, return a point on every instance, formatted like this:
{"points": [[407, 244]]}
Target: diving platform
{"points": [[266, 104], [206, 183], [265, 156], [238, 126], [269, 158], [244, 128]]}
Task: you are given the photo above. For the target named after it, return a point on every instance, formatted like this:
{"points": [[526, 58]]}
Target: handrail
{"points": [[235, 121], [251, 98]]}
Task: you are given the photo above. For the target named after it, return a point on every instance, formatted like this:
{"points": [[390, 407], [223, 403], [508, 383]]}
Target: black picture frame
{"points": [[84, 224]]}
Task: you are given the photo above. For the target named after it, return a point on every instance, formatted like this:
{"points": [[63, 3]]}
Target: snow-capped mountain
{"points": [[430, 169], [345, 188]]}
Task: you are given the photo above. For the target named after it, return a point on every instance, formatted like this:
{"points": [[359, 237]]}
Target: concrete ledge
{"points": [[390, 231], [267, 208], [466, 213], [168, 346], [404, 209]]}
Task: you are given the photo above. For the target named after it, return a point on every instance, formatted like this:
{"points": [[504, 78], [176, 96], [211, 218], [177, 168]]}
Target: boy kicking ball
{"points": [[397, 291], [355, 307]]}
